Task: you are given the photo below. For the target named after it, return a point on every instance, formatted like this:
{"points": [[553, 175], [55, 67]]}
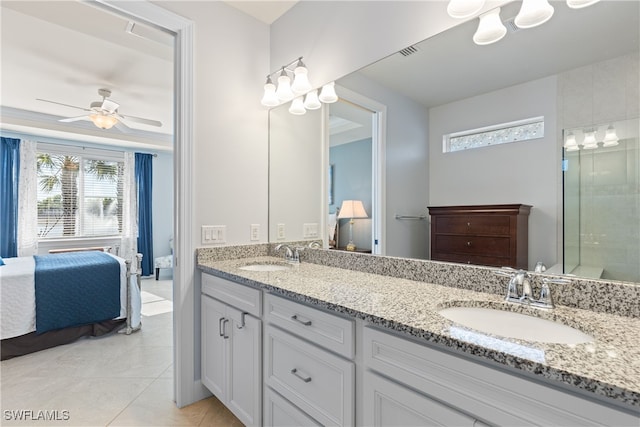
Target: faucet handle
{"points": [[540, 267]]}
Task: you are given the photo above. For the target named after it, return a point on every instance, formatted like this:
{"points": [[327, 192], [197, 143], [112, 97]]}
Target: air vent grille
{"points": [[408, 51]]}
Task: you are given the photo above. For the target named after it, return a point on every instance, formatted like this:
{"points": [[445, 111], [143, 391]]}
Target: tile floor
{"points": [[116, 380]]}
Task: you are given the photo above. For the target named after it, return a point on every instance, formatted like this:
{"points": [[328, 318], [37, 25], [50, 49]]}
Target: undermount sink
{"points": [[265, 267], [509, 324]]}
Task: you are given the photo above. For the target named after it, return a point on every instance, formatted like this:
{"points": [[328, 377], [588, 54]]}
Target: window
{"points": [[80, 192], [521, 130]]}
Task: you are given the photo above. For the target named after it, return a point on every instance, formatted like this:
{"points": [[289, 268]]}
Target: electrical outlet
{"points": [[310, 230], [281, 234], [254, 233]]}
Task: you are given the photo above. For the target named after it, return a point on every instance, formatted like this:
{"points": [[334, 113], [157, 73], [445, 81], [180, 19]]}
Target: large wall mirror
{"points": [[579, 71]]}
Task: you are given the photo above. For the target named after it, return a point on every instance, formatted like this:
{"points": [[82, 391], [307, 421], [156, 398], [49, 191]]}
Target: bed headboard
{"points": [[95, 248]]}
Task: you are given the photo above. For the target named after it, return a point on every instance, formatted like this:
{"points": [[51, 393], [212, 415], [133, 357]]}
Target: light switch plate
{"points": [[254, 232], [213, 234], [281, 234], [310, 230]]}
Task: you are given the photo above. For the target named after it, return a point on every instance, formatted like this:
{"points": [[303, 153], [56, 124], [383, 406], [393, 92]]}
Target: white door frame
{"points": [[186, 388], [378, 140]]}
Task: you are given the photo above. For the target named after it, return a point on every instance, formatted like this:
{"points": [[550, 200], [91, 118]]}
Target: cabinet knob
{"points": [[469, 243], [468, 225]]}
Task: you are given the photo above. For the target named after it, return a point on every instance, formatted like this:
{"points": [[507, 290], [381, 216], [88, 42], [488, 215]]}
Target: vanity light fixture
{"points": [[490, 29], [300, 91], [533, 13], [590, 142], [570, 144], [610, 137]]}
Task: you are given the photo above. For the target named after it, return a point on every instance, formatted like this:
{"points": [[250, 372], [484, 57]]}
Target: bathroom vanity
{"points": [[331, 346]]}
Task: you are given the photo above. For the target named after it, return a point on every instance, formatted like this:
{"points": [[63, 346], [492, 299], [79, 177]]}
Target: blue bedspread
{"points": [[76, 288]]}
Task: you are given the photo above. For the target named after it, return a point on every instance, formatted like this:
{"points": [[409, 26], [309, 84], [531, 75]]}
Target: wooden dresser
{"points": [[493, 235]]}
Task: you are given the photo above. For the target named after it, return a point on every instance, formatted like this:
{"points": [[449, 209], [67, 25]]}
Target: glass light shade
{"points": [[352, 209], [311, 101], [579, 4], [589, 142], [301, 82], [297, 107], [102, 121], [269, 99], [328, 93], [490, 28], [610, 137], [533, 13], [284, 92], [570, 144], [461, 9]]}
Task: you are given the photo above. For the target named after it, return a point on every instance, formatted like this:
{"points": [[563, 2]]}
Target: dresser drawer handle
{"points": [[469, 243], [305, 323], [294, 371], [469, 225]]}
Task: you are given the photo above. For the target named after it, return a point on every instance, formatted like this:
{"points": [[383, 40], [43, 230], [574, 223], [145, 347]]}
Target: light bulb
{"points": [[610, 137], [311, 101], [533, 13], [284, 92], [297, 107], [490, 28], [301, 82], [269, 99], [461, 9], [579, 4], [589, 142], [328, 93]]}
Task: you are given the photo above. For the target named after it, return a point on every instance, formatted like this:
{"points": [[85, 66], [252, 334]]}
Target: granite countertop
{"points": [[609, 366]]}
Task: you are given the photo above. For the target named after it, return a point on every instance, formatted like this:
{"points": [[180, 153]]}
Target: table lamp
{"points": [[352, 209]]}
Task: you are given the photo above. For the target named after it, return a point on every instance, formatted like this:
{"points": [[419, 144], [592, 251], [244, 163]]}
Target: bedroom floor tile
{"points": [[114, 380]]}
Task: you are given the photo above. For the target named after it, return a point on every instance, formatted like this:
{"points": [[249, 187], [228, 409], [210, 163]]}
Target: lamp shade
{"points": [[352, 209], [533, 13], [103, 121], [328, 93], [311, 101], [579, 4], [490, 29], [589, 142], [570, 143], [269, 99], [284, 92], [301, 82], [610, 137], [461, 9], [297, 107]]}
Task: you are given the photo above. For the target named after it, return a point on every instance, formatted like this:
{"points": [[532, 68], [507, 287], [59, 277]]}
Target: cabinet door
{"points": [[387, 403], [244, 396], [214, 329]]}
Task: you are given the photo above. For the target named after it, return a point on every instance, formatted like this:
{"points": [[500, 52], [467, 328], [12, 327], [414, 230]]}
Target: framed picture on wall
{"points": [[330, 186]]}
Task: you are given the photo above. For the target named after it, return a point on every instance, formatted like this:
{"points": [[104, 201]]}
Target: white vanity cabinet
{"points": [[457, 391], [232, 347], [308, 372]]}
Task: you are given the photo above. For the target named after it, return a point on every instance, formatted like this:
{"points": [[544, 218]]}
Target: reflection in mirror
{"points": [[575, 79]]}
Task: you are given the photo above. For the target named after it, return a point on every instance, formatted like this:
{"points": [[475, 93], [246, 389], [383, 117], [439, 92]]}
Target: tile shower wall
{"points": [[602, 186]]}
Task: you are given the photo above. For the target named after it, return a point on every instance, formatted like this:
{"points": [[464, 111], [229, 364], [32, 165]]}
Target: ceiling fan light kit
{"points": [[300, 92], [490, 27], [104, 114]]}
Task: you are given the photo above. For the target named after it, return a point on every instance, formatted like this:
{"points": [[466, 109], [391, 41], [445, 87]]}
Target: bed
{"points": [[54, 299]]}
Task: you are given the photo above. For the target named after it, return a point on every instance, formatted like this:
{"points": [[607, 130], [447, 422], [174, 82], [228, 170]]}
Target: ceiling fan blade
{"points": [[110, 106], [142, 121], [74, 119], [60, 103], [122, 127]]}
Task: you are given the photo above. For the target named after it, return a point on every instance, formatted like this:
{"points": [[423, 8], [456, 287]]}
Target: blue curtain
{"points": [[9, 173], [144, 178]]}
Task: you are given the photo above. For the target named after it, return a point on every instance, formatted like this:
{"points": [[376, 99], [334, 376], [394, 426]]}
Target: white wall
{"points": [[520, 172]]}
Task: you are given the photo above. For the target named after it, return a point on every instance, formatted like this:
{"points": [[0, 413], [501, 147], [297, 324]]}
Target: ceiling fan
{"points": [[104, 114]]}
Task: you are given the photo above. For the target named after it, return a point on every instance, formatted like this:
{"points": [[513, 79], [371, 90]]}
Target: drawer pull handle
{"points": [[222, 326], [468, 243], [294, 371], [469, 224], [220, 331], [305, 323]]}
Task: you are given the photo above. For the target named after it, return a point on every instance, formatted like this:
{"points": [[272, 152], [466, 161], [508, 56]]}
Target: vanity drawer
{"points": [[316, 381], [477, 245], [327, 330], [279, 412], [498, 225], [244, 298]]}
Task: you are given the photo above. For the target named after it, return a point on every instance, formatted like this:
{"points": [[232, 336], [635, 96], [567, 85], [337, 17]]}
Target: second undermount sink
{"points": [[265, 267], [509, 324]]}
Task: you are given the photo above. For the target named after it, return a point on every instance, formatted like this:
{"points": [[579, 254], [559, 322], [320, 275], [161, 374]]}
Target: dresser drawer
{"points": [[495, 261], [324, 329], [477, 245], [316, 381], [498, 225], [244, 298]]}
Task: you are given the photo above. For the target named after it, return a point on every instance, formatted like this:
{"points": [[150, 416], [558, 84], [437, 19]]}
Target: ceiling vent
{"points": [[408, 51]]}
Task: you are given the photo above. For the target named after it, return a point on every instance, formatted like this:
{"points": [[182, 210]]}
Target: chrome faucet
{"points": [[290, 255], [519, 288]]}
